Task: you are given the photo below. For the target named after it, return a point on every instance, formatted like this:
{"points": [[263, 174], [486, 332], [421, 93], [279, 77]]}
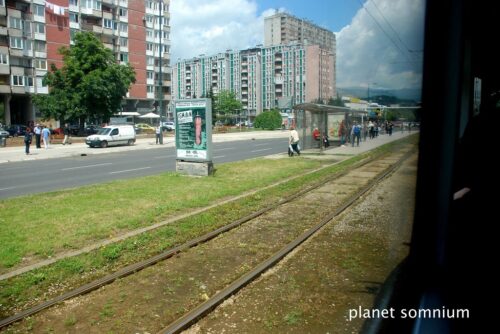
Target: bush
{"points": [[268, 120]]}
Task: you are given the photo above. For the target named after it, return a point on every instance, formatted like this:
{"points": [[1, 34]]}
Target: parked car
{"points": [[17, 130], [111, 136], [92, 129], [144, 128], [169, 126], [4, 133]]}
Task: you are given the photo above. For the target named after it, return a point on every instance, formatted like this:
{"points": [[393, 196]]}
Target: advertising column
{"points": [[193, 136]]}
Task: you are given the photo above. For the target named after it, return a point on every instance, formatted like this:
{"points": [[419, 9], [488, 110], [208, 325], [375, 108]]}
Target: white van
{"points": [[112, 135]]}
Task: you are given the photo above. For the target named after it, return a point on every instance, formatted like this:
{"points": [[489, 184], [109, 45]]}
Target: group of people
{"points": [[42, 133]]}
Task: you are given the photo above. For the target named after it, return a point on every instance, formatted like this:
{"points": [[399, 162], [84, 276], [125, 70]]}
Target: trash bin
{"points": [[3, 141]]}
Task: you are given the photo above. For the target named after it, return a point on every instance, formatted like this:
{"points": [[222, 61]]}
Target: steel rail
{"points": [[201, 310]]}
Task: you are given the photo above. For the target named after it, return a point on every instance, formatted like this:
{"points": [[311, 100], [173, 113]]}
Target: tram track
{"points": [[200, 311], [209, 236]]}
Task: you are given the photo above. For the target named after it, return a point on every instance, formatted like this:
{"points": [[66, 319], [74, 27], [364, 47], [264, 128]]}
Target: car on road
{"points": [[144, 128], [112, 135], [169, 126]]}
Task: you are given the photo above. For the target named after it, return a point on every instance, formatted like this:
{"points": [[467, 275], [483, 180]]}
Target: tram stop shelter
{"points": [[326, 119]]}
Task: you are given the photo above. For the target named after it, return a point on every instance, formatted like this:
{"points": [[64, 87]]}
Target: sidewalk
{"points": [[16, 153], [364, 146]]}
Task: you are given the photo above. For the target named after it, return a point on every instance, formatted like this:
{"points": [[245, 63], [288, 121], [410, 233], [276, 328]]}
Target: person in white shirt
{"points": [[293, 141]]}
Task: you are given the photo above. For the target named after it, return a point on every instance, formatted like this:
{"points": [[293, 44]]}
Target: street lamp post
{"points": [[160, 77]]}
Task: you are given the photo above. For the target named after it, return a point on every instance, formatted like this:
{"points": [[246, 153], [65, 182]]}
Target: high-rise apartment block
{"points": [[262, 78], [32, 31], [283, 28], [284, 72]]}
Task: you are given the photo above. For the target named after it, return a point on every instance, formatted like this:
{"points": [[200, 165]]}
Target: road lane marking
{"points": [[264, 149], [88, 166], [129, 170], [223, 149], [263, 144], [2, 189], [219, 156]]}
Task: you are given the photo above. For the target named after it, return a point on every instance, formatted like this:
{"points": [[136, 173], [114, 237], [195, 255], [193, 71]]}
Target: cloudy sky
{"points": [[379, 42]]}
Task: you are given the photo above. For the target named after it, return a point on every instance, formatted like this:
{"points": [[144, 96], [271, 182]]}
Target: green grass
{"points": [[78, 270], [73, 218]]}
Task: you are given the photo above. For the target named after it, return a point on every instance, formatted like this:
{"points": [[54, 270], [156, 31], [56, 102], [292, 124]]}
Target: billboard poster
{"points": [[193, 130]]}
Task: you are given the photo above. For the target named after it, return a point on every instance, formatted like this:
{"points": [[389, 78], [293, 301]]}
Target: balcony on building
{"points": [[92, 24], [4, 83], [90, 12], [110, 3]]}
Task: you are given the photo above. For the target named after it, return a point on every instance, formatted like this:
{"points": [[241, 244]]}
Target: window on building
{"points": [[2, 3], [149, 46], [16, 43], [39, 28], [39, 10], [73, 2], [149, 75], [15, 22], [40, 64], [123, 42], [149, 18], [150, 89], [124, 57], [97, 5], [149, 33], [107, 23], [72, 33], [4, 58], [73, 17], [122, 12], [40, 46], [150, 61], [17, 80], [29, 81], [123, 27]]}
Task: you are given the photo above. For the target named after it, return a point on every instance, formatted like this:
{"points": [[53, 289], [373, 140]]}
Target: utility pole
{"points": [[160, 78]]}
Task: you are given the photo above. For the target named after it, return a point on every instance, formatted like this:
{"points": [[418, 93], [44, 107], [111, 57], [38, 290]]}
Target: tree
{"points": [[336, 101], [91, 83], [268, 120], [226, 103]]}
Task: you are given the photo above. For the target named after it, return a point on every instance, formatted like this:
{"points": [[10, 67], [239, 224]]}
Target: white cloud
{"points": [[212, 26], [367, 55]]}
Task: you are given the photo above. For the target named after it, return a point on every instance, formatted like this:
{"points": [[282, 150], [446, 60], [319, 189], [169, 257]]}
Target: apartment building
{"points": [[262, 78], [284, 28], [32, 31]]}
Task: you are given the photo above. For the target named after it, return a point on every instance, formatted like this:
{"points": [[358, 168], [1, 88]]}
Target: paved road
{"points": [[67, 171]]}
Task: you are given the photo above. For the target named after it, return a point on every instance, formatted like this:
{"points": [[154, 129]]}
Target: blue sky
{"points": [[379, 42]]}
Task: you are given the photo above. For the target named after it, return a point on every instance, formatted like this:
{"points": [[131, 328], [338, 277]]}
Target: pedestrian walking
{"points": [[67, 134], [158, 134], [356, 133], [342, 133], [27, 140], [293, 142], [45, 136]]}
